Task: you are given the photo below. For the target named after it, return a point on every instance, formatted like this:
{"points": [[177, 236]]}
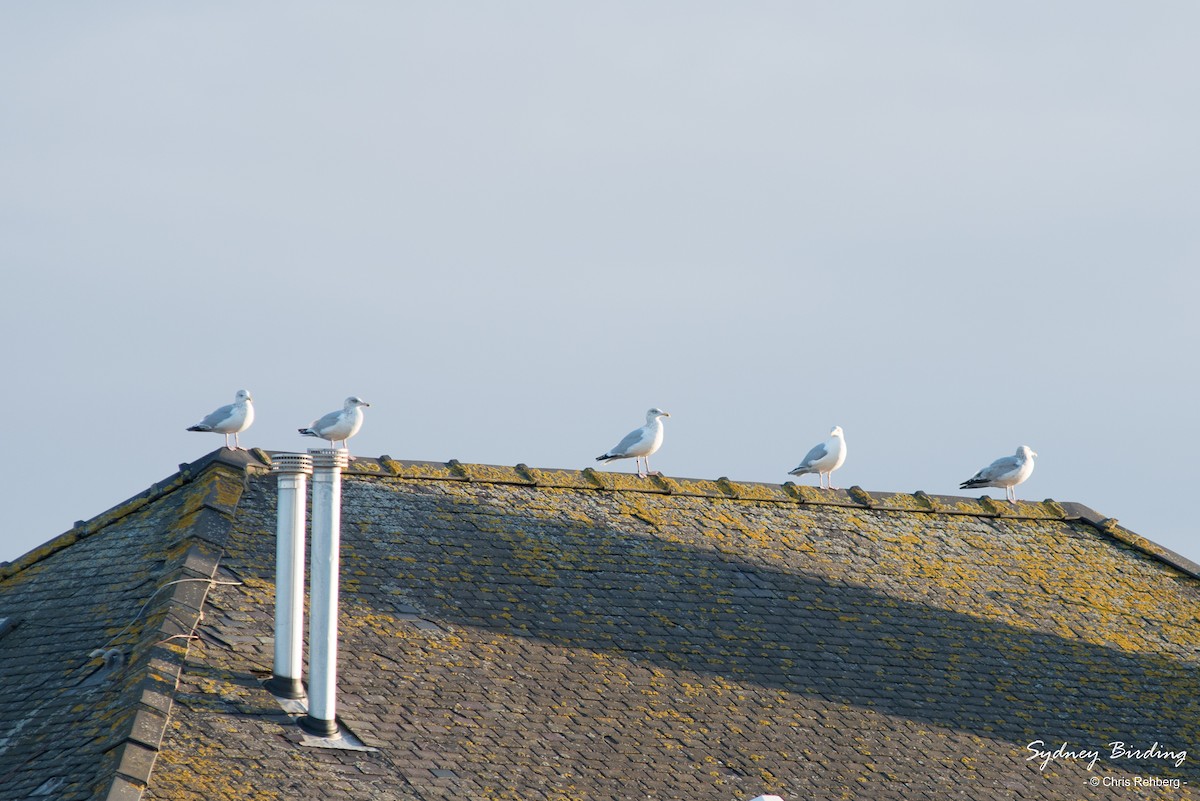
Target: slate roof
{"points": [[515, 633]]}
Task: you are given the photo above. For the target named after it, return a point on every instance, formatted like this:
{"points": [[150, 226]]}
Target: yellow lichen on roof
{"points": [[219, 488], [367, 466], [565, 479], [418, 470]]}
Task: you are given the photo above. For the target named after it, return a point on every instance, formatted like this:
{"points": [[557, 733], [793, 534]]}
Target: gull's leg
{"points": [[226, 440], [647, 460]]}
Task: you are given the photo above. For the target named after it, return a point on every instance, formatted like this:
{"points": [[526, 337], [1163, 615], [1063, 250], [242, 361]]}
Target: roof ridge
{"points": [[723, 488], [726, 489]]}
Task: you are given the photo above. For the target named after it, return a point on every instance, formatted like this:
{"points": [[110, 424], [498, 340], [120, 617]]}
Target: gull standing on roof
{"points": [[338, 426], [639, 443], [233, 419], [823, 459], [1006, 472]]}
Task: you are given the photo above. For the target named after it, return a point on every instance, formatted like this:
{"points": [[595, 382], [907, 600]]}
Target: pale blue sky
{"points": [[950, 228]]}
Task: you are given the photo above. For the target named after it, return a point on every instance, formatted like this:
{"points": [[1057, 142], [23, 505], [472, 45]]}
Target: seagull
{"points": [[1007, 472], [639, 443], [338, 426], [231, 419], [824, 458]]}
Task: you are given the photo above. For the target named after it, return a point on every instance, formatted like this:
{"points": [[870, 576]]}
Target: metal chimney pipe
{"points": [[323, 597], [292, 471]]}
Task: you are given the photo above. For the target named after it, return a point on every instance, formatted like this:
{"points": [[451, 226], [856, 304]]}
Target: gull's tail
{"points": [[971, 483], [308, 432], [200, 427], [607, 457]]}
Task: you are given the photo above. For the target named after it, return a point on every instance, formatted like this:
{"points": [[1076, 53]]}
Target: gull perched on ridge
{"points": [[338, 426], [639, 443], [233, 418], [1006, 472], [823, 459]]}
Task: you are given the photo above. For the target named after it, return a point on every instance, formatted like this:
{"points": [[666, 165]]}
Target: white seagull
{"points": [[1007, 472], [233, 419], [639, 443], [823, 459], [338, 426]]}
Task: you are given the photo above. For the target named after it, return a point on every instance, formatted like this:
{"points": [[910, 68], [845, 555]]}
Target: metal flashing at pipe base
{"points": [[344, 740], [319, 727], [285, 687]]}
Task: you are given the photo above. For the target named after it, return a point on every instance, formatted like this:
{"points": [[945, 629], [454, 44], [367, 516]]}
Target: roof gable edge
{"points": [[245, 461], [1110, 526], [160, 667]]}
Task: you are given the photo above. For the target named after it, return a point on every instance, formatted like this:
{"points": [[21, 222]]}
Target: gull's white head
{"points": [[354, 400], [1026, 452], [837, 432], [655, 413], [242, 395]]}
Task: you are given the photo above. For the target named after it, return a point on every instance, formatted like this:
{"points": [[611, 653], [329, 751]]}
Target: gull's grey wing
{"points": [[631, 439], [818, 452], [325, 422], [218, 417], [998, 469]]}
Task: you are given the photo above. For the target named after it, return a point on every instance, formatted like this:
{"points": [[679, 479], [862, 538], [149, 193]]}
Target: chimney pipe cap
{"points": [[291, 463], [330, 457]]}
